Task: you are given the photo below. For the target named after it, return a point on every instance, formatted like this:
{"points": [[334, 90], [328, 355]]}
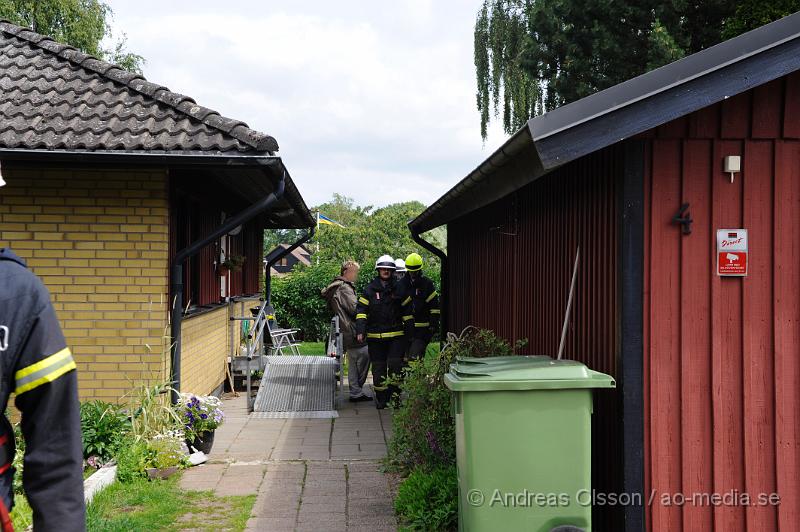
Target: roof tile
{"points": [[53, 96]]}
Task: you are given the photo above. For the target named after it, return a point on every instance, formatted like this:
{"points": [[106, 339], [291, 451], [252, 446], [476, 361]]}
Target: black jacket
{"points": [[425, 304], [37, 366], [384, 311]]}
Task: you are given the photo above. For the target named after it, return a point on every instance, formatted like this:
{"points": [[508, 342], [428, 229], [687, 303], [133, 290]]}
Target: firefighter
{"points": [[422, 295], [384, 319], [400, 269], [37, 366]]}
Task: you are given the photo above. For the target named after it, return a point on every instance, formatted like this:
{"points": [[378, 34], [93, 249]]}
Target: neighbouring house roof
{"points": [[622, 111], [57, 103], [301, 253]]}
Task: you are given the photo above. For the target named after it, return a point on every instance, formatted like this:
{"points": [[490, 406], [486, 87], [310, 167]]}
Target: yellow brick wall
{"points": [[99, 241], [206, 346], [204, 351]]}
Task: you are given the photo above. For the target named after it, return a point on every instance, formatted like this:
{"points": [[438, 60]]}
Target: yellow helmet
{"points": [[414, 262]]}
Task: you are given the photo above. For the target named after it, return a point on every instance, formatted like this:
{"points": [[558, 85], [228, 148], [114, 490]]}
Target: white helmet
{"points": [[400, 265], [385, 262]]}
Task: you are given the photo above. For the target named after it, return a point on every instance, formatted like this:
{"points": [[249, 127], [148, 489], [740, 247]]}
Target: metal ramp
{"points": [[297, 387]]}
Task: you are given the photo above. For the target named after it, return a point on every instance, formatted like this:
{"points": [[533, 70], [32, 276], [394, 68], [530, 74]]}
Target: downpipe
{"points": [[443, 320]]}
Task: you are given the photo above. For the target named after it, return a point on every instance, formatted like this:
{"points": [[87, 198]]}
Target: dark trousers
{"points": [[386, 357], [416, 350]]}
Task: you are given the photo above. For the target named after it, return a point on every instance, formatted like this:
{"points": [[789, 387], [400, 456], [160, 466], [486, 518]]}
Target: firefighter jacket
{"points": [[383, 311], [424, 300], [37, 366]]}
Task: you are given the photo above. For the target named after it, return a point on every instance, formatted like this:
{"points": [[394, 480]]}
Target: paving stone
{"points": [[270, 524], [278, 509], [379, 507]]}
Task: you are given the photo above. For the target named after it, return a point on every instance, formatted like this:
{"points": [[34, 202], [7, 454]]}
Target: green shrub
{"points": [[103, 428], [424, 429], [298, 302], [133, 460], [429, 500], [137, 456]]}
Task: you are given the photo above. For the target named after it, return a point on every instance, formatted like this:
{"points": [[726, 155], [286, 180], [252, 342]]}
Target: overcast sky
{"points": [[373, 100]]}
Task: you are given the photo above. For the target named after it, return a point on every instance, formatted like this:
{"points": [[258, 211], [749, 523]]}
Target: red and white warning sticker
{"points": [[732, 252]]}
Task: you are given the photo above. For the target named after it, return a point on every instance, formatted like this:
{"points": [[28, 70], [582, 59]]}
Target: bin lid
{"points": [[523, 373]]}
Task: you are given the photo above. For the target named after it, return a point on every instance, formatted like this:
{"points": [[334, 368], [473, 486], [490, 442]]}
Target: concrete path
{"points": [[308, 474]]}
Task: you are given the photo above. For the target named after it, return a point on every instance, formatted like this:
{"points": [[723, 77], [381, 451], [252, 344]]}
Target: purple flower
{"points": [[203, 416]]}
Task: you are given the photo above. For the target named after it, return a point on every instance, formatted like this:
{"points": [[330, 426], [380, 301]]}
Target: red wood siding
{"points": [[189, 222], [254, 265], [510, 269], [722, 355]]}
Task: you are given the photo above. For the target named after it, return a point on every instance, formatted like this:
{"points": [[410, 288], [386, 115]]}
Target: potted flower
{"points": [[233, 263], [201, 415], [164, 456]]}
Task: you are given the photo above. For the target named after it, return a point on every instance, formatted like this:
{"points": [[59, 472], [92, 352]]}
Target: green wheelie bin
{"points": [[523, 443]]}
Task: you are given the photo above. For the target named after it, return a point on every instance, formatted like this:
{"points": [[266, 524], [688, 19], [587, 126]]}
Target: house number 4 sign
{"points": [[732, 252]]}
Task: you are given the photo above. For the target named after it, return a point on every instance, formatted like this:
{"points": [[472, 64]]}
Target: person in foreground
{"points": [[37, 366], [384, 319], [341, 298]]}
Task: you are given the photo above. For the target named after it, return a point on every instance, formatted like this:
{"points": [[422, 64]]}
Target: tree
{"points": [[534, 55], [80, 23], [751, 14]]}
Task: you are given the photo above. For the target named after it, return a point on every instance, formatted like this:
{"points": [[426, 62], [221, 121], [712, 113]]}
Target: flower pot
{"points": [[203, 442], [154, 472]]}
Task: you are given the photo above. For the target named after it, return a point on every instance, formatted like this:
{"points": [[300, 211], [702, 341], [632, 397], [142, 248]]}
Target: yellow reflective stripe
{"points": [[406, 301], [424, 324], [406, 318], [44, 371], [361, 316], [392, 334], [363, 300], [435, 311], [433, 294]]}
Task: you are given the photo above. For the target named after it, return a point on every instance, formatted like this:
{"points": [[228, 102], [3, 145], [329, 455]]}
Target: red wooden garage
{"points": [[708, 366]]}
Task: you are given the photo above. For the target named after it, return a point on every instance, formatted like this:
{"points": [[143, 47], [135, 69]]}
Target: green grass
{"points": [[163, 505], [312, 348], [21, 514]]}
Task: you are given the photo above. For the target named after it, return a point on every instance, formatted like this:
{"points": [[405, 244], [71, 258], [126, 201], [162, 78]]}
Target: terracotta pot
{"points": [[203, 442], [154, 473]]}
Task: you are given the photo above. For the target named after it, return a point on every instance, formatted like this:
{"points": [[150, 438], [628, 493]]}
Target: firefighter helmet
{"points": [[414, 262], [400, 265], [385, 262]]}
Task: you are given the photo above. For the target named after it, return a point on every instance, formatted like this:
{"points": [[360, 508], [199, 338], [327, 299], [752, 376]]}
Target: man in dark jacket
{"points": [[425, 301], [342, 301], [37, 366], [385, 321]]}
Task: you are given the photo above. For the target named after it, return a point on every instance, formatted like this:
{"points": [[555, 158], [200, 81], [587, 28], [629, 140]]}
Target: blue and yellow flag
{"points": [[322, 219]]}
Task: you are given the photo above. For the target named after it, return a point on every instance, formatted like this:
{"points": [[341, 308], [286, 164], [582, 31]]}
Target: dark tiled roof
{"points": [[53, 96]]}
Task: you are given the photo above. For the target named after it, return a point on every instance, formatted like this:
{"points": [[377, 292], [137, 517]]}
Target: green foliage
{"points": [[750, 14], [574, 48], [151, 412], [424, 430], [428, 500], [19, 457], [80, 23], [297, 301], [133, 460], [165, 452], [103, 428]]}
